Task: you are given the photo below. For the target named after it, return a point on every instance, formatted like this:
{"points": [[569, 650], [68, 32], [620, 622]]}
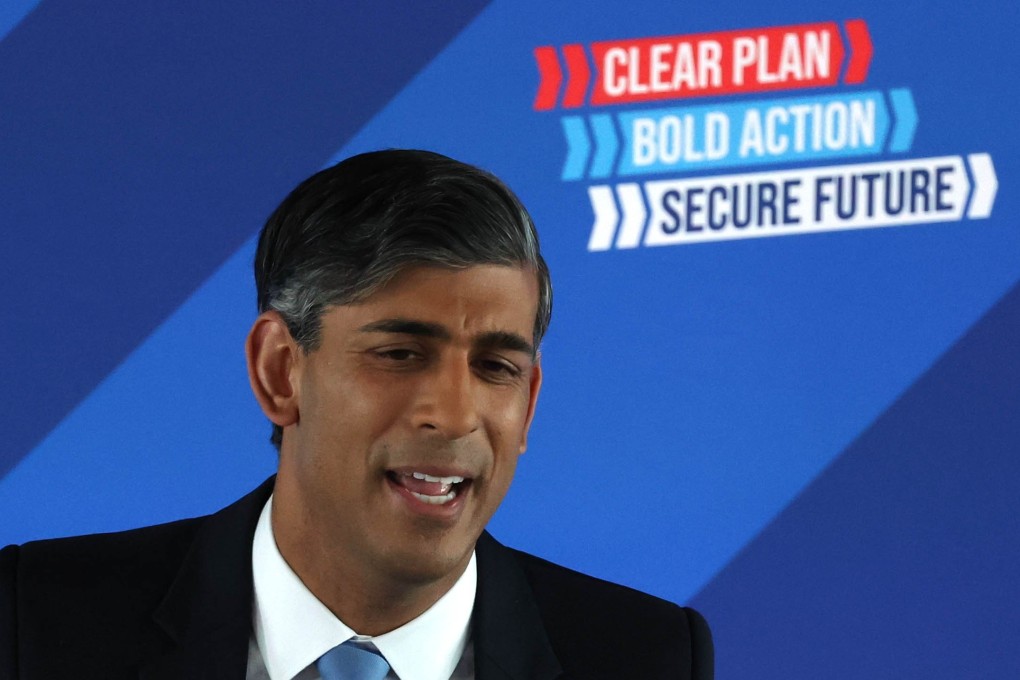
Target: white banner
{"points": [[804, 200]]}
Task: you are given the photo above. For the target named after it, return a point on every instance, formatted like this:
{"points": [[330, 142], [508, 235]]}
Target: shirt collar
{"points": [[293, 628]]}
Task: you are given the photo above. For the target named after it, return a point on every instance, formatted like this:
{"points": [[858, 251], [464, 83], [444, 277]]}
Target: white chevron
{"points": [[634, 215], [985, 186], [606, 218]]}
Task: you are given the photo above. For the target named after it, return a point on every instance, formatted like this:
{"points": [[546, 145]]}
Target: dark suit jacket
{"points": [[174, 601]]}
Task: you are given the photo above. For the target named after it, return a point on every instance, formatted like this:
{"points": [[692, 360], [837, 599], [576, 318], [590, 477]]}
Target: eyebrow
{"points": [[491, 339]]}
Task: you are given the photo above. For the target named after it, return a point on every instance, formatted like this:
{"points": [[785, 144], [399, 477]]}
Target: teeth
{"points": [[441, 480], [435, 500]]}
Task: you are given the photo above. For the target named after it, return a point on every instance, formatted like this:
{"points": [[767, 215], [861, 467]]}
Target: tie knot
{"points": [[349, 661]]}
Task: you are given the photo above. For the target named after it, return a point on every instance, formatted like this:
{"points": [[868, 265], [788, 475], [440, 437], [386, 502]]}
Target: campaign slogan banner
{"points": [[839, 119]]}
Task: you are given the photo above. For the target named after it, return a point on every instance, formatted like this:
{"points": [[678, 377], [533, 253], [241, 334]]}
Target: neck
{"points": [[369, 600]]}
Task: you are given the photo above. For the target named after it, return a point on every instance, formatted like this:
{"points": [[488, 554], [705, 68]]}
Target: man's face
{"points": [[412, 413]]}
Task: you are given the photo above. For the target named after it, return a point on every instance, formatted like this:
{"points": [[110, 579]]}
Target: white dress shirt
{"points": [[292, 628]]}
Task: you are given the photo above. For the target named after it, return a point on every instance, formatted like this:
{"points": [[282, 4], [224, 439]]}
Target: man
{"points": [[403, 298]]}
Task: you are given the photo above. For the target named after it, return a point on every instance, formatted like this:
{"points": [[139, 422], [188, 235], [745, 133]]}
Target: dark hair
{"points": [[348, 230]]}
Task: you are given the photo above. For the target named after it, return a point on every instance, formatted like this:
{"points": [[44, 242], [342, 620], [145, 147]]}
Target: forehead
{"points": [[472, 299]]}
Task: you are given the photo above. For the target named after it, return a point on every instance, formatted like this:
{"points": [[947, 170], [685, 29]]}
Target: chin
{"points": [[430, 563]]}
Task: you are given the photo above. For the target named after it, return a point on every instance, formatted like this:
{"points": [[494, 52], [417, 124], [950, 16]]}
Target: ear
{"points": [[535, 385], [273, 356]]}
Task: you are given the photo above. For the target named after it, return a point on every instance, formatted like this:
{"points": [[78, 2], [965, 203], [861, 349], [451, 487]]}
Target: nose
{"points": [[447, 401]]}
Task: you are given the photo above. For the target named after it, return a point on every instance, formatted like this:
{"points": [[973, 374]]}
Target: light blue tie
{"points": [[351, 662]]}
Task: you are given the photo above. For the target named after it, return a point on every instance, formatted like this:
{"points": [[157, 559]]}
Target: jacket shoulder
{"points": [[8, 614], [112, 605], [113, 559], [596, 625], [87, 597]]}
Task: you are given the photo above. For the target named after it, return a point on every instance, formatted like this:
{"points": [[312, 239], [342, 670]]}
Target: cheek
{"points": [[522, 409], [509, 424], [504, 472], [359, 407]]}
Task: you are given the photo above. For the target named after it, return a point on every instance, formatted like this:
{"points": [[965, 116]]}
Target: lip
{"points": [[447, 512], [434, 470]]}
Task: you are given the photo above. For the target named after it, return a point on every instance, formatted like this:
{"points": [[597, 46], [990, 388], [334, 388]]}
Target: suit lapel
{"points": [[207, 610], [510, 640]]}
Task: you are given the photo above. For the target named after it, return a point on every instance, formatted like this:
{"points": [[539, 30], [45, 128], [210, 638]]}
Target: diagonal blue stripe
{"points": [[904, 547], [206, 443], [184, 130], [130, 463], [12, 12]]}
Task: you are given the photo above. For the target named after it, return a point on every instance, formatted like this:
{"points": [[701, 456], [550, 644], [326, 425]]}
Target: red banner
{"points": [[757, 60], [701, 65]]}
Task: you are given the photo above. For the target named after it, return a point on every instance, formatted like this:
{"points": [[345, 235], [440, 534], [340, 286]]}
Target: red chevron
{"points": [[578, 75], [860, 51], [550, 78]]}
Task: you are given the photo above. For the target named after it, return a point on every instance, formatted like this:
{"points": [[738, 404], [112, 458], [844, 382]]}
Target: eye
{"points": [[398, 355], [498, 369]]}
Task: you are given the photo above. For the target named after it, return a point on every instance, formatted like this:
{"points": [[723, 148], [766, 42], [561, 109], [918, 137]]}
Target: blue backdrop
{"points": [[782, 375]]}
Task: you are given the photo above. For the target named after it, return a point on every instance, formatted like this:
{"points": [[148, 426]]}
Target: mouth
{"points": [[437, 489]]}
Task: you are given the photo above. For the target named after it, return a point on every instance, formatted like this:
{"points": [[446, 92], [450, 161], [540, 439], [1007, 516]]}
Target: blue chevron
{"points": [[578, 148], [905, 114], [606, 145]]}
